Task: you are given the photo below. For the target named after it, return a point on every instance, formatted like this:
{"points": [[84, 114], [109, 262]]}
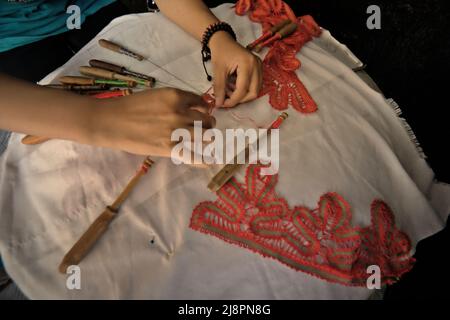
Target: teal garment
{"points": [[26, 22]]}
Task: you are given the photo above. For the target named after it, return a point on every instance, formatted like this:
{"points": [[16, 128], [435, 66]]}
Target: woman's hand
{"points": [[230, 59], [143, 123]]}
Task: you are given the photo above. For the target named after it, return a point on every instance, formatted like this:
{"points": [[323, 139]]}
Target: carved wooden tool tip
{"points": [[32, 140], [225, 174], [119, 49], [106, 65], [109, 45], [75, 80], [230, 169], [96, 230], [285, 32], [280, 25], [288, 30], [269, 33], [87, 240], [148, 162]]}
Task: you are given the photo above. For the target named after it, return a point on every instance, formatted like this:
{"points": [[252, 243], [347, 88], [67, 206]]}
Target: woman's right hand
{"points": [[143, 122]]}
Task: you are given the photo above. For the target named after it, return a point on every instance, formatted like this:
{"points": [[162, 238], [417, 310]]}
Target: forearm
{"points": [[194, 17], [52, 113], [191, 15], [227, 56]]}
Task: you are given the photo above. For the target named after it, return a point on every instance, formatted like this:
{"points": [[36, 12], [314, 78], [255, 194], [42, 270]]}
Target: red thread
{"points": [[279, 78], [112, 94], [144, 168], [321, 241]]}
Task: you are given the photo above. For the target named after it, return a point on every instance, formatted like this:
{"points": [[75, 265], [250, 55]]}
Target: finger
{"points": [[202, 108], [253, 88], [242, 85], [220, 79], [207, 120], [190, 99]]}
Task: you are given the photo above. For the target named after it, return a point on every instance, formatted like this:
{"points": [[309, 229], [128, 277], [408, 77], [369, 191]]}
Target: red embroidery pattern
{"points": [[280, 80], [320, 242]]}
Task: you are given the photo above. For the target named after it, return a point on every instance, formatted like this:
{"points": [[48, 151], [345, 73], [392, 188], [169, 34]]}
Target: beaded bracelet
{"points": [[151, 6], [209, 32]]}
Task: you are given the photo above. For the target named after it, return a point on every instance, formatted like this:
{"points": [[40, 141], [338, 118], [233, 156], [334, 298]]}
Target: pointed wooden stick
{"points": [[286, 31], [269, 33], [82, 247], [32, 140], [230, 169]]}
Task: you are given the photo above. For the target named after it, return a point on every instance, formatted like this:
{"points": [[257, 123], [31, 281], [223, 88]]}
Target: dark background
{"points": [[409, 59]]}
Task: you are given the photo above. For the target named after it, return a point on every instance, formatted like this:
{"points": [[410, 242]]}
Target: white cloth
{"points": [[354, 145]]}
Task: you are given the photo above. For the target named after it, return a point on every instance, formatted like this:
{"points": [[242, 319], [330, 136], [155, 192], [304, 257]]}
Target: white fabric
{"points": [[354, 145]]}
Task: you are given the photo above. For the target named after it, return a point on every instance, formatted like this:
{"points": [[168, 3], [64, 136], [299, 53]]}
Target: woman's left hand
{"points": [[230, 59]]}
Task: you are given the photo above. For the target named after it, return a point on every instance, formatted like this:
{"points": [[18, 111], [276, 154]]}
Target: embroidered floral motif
{"points": [[320, 242], [279, 66]]}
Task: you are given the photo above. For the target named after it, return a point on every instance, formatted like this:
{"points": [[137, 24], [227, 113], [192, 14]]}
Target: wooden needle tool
{"points": [[230, 169], [285, 32], [269, 33], [119, 69], [82, 247], [119, 49], [84, 81], [107, 74]]}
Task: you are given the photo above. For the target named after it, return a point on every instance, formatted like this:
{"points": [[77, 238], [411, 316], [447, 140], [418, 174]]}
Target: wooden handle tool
{"points": [[83, 81], [106, 65], [80, 81], [106, 74], [119, 69], [32, 140], [119, 49], [112, 94], [87, 240], [222, 177], [230, 169], [78, 88], [286, 31], [95, 231], [269, 33]]}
